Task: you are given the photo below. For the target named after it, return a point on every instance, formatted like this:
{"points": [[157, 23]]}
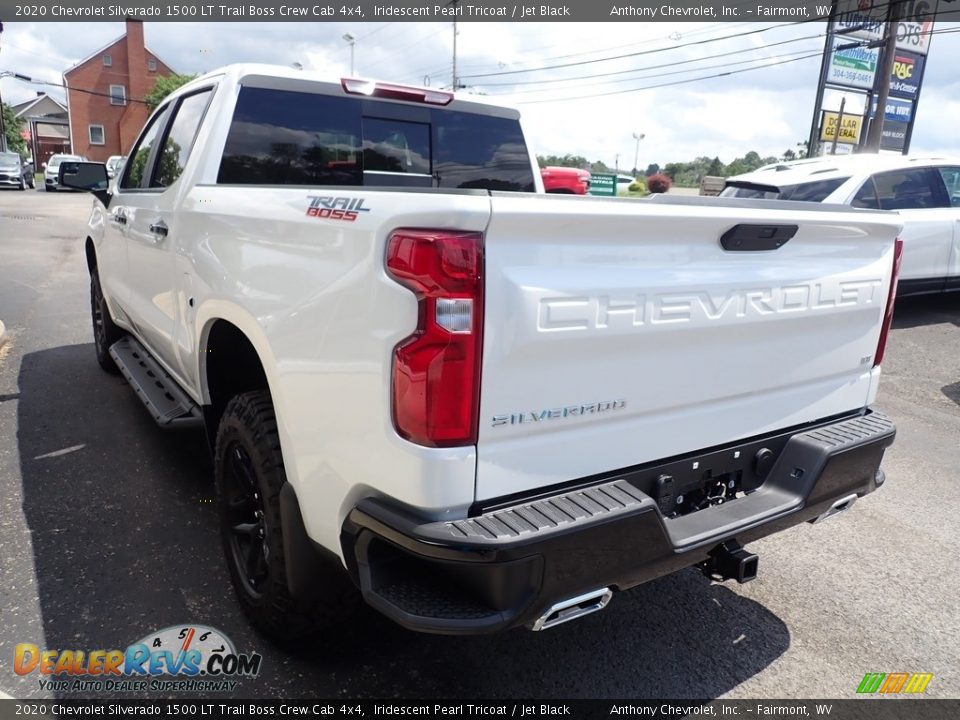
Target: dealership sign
{"points": [[853, 67], [907, 74]]}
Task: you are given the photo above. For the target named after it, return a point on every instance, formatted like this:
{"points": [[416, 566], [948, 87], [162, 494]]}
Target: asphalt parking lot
{"points": [[108, 533]]}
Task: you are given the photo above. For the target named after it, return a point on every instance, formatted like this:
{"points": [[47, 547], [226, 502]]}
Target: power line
{"points": [[407, 47], [671, 84], [674, 37], [630, 55], [86, 92], [658, 50], [654, 67], [944, 31], [677, 72]]}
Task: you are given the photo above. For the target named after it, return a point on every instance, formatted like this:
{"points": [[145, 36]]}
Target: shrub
{"points": [[658, 183], [637, 186]]}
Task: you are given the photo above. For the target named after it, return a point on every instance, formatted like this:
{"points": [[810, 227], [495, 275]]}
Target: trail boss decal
{"points": [[330, 207]]}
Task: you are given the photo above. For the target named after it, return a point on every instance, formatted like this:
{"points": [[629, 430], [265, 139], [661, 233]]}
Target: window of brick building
{"points": [[151, 64], [108, 61], [118, 95], [96, 134]]}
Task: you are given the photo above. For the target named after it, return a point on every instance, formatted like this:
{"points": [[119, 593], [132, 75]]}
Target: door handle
{"points": [[120, 218], [159, 228]]}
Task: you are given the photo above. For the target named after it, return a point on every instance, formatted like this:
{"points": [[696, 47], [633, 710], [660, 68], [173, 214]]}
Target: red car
{"points": [[565, 180]]}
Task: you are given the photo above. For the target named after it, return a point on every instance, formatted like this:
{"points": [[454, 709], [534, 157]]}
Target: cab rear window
{"points": [[282, 137], [816, 191]]}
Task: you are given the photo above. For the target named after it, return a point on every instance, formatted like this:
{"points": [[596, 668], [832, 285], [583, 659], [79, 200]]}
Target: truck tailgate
{"points": [[619, 332]]}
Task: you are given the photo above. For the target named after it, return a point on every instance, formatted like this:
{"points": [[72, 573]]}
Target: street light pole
{"points": [[636, 153], [350, 38]]}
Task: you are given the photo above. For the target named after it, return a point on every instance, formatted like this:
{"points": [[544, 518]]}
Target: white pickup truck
{"points": [[477, 406]]}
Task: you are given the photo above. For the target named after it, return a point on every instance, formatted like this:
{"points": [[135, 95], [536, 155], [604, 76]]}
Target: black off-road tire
{"points": [[105, 332], [249, 475]]}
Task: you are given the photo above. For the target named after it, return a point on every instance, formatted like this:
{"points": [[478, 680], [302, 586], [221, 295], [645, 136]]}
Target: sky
{"points": [[566, 109]]}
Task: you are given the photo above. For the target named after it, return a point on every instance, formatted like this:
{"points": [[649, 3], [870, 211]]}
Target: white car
{"points": [[925, 191], [624, 182], [51, 168]]}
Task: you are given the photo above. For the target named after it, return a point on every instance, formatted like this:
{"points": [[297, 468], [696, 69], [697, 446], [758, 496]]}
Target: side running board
{"points": [[161, 395]]}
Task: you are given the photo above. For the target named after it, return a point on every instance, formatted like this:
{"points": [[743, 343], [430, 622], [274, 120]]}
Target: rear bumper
{"points": [[503, 567]]}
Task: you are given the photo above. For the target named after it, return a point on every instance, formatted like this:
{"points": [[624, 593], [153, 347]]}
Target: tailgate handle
{"points": [[748, 238]]}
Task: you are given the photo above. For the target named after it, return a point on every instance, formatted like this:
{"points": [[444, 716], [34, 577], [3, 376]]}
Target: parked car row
{"points": [[15, 172], [924, 191]]}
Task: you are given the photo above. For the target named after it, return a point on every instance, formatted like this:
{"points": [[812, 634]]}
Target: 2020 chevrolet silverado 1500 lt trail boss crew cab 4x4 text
{"points": [[486, 406]]}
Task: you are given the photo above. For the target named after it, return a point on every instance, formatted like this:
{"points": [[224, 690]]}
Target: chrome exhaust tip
{"points": [[572, 609], [841, 505]]}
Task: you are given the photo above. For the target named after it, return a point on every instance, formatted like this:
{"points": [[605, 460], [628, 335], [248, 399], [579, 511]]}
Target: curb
{"points": [[3, 333]]}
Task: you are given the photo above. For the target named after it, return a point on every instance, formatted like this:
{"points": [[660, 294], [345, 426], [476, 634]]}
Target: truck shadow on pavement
{"points": [[919, 310], [124, 537]]}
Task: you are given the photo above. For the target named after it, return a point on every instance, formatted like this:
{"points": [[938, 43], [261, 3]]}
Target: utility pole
{"points": [[636, 153], [351, 38], [836, 132], [884, 71], [456, 80], [3, 130]]}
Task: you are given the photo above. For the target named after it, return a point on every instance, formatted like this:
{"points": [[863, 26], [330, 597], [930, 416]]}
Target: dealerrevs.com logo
{"points": [[894, 683], [184, 658]]}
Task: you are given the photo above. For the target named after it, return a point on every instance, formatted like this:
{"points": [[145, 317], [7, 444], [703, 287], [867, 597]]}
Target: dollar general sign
{"points": [[849, 131]]}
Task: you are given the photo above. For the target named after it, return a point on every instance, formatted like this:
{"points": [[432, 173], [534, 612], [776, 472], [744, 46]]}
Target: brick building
{"points": [[102, 91]]}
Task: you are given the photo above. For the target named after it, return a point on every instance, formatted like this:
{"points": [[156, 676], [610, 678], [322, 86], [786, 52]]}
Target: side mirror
{"points": [[88, 176], [43, 165]]}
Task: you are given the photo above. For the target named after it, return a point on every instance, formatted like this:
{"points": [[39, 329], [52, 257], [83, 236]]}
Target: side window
{"points": [[951, 178], [179, 140], [912, 189], [479, 151], [866, 196], [136, 165], [279, 137], [816, 191]]}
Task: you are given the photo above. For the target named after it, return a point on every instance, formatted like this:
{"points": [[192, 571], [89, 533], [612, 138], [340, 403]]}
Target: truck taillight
{"points": [[436, 370], [891, 297]]}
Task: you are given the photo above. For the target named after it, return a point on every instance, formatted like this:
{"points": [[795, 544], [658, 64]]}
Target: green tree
{"points": [[568, 160], [715, 168], [652, 169], [13, 126], [165, 85], [789, 155]]}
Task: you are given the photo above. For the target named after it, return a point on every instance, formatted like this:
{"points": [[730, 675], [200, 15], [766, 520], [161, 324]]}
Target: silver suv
{"points": [[15, 171]]}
